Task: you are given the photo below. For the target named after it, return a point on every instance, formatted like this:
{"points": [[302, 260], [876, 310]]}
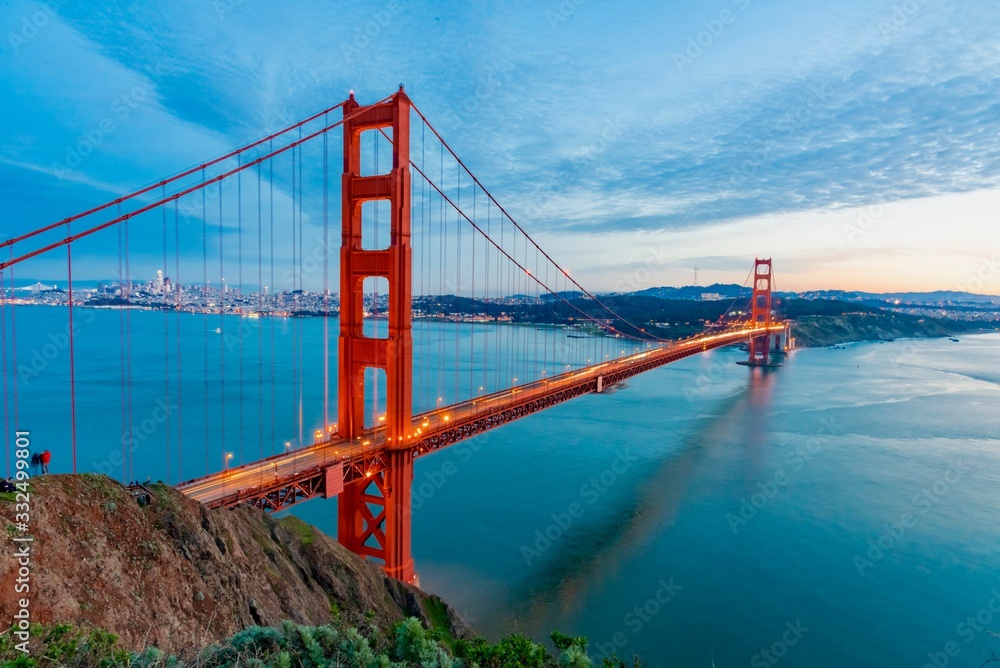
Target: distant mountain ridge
{"points": [[724, 290], [732, 291]]}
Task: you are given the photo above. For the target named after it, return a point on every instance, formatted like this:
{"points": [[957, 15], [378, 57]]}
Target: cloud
{"points": [[579, 126]]}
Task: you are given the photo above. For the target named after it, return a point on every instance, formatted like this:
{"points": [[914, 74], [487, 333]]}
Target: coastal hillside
{"points": [[175, 575], [827, 330]]}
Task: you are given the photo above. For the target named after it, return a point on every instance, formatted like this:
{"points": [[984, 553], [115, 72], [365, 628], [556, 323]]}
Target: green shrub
{"points": [[299, 646]]}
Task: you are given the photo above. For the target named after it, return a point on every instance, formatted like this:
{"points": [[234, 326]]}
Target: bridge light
{"points": [[288, 444]]}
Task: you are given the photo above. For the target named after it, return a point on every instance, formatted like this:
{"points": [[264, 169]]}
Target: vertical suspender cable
{"points": [[128, 348], [177, 329], [295, 302], [239, 295], [72, 358], [326, 283], [162, 287], [126, 432], [260, 314], [6, 396], [222, 339], [204, 311], [301, 292], [458, 289], [274, 297]]}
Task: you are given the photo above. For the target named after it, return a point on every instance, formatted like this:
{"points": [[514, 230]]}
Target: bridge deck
{"points": [[280, 480]]}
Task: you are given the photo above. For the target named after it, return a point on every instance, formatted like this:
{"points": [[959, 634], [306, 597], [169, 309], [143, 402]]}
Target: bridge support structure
{"points": [[374, 511], [763, 347]]}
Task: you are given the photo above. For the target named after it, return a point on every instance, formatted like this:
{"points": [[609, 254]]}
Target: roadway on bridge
{"points": [[270, 472]]}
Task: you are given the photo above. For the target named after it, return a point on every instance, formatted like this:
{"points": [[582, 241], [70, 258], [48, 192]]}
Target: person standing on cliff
{"points": [[45, 458], [36, 461]]}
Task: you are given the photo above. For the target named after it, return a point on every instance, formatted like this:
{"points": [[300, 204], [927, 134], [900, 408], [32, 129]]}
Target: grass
{"points": [[304, 531], [440, 619]]}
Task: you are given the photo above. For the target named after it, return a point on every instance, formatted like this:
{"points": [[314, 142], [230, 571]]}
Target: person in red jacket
{"points": [[45, 458]]}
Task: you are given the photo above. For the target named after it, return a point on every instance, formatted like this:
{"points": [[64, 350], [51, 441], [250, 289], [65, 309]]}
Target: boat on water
{"points": [[953, 339]]}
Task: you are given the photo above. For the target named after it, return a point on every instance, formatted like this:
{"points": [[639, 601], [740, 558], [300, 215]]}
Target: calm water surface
{"points": [[838, 511]]}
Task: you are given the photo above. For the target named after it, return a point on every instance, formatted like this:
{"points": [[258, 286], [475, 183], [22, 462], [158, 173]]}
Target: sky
{"points": [[856, 142]]}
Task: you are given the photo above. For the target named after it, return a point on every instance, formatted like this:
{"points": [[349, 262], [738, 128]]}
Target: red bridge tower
{"points": [[760, 312], [374, 512]]}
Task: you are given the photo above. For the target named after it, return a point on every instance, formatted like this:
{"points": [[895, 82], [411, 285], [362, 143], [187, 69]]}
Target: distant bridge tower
{"points": [[374, 512], [760, 312]]}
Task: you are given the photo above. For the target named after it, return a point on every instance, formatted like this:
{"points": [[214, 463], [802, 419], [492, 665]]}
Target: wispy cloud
{"points": [[583, 124]]}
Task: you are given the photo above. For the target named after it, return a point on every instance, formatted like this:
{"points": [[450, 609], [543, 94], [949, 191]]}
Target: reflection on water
{"points": [[897, 426]]}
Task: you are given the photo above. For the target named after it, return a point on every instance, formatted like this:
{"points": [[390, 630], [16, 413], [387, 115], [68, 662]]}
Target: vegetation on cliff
{"points": [[172, 584], [408, 644]]}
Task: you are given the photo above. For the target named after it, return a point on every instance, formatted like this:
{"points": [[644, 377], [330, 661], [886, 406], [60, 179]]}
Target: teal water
{"points": [[838, 511]]}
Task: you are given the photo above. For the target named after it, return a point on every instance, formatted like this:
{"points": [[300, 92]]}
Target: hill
{"points": [[178, 576]]}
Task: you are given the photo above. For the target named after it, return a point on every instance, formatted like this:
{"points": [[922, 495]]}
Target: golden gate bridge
{"points": [[414, 220]]}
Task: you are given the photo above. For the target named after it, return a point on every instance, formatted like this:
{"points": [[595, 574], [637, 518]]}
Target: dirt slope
{"points": [[177, 575]]}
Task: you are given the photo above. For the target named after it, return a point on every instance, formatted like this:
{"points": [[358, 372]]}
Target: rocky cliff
{"points": [[178, 576]]}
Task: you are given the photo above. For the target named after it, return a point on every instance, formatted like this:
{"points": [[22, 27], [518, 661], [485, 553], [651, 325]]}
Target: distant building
{"points": [[711, 297]]}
